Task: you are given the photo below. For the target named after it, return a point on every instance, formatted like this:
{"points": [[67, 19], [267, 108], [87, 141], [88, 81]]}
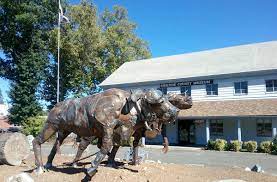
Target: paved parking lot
{"points": [[181, 155]]}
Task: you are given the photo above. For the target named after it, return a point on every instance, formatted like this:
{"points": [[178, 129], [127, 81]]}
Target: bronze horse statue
{"points": [[99, 115]]}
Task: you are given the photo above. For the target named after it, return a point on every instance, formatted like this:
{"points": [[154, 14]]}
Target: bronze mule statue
{"points": [[178, 100], [98, 115]]}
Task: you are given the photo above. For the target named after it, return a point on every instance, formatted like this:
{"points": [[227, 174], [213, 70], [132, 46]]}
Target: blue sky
{"points": [[181, 26]]}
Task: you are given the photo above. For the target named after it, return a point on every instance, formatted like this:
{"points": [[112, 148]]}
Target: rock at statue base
{"points": [[257, 168], [14, 148], [22, 177]]}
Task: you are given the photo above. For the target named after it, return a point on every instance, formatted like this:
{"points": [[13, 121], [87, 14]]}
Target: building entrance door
{"points": [[186, 132]]}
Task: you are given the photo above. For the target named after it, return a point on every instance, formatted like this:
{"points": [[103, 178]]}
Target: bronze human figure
{"points": [[98, 115]]}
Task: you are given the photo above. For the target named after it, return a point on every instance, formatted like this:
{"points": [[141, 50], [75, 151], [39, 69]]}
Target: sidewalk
{"points": [[182, 148]]}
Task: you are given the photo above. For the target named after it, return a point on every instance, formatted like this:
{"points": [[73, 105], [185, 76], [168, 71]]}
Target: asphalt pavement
{"points": [[192, 156]]}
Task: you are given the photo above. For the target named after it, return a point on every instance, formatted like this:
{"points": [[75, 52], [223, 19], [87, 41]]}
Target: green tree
{"points": [[121, 42], [24, 35], [92, 47], [33, 125]]}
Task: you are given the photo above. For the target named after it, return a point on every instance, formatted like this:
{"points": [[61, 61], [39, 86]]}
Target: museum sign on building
{"points": [[234, 91]]}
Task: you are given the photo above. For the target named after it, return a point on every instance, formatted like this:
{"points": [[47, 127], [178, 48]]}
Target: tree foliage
{"points": [[24, 27], [121, 43], [33, 125], [92, 47]]}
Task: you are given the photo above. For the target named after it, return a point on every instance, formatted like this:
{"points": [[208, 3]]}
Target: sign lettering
{"points": [[188, 83]]}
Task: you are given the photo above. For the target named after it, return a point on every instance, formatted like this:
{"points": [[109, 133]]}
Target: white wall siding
{"points": [[256, 89], [198, 92]]}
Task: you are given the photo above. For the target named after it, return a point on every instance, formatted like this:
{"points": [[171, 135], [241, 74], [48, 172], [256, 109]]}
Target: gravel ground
{"points": [[148, 171]]}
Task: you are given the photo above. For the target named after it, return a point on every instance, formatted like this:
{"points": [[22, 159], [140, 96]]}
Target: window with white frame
{"points": [[271, 85], [186, 90], [241, 88], [216, 127], [264, 127], [212, 89], [163, 90]]}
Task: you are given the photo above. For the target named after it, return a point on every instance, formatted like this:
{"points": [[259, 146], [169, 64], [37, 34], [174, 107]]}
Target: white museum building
{"points": [[234, 91]]}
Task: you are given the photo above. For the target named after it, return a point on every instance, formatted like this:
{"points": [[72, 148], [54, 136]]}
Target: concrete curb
{"points": [[174, 147]]}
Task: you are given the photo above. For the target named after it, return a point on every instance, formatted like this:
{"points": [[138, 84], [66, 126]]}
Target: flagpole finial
{"points": [[62, 17]]}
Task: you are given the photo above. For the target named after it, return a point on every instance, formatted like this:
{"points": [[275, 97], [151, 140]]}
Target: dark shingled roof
{"points": [[253, 107]]}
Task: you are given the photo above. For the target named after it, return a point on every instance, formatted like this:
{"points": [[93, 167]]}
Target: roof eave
{"points": [[222, 76]]}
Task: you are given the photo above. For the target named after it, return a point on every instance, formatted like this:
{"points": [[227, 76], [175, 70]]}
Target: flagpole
{"points": [[58, 69]]}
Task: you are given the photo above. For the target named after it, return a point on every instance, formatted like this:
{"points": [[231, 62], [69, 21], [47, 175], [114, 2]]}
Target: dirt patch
{"points": [[150, 171]]}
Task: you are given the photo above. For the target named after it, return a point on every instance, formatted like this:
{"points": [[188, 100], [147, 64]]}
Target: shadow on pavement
{"points": [[68, 170]]}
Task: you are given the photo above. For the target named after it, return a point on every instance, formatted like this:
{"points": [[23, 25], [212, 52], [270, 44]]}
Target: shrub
{"points": [[250, 146], [211, 144], [33, 125], [235, 145], [220, 144], [228, 147], [265, 147]]}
